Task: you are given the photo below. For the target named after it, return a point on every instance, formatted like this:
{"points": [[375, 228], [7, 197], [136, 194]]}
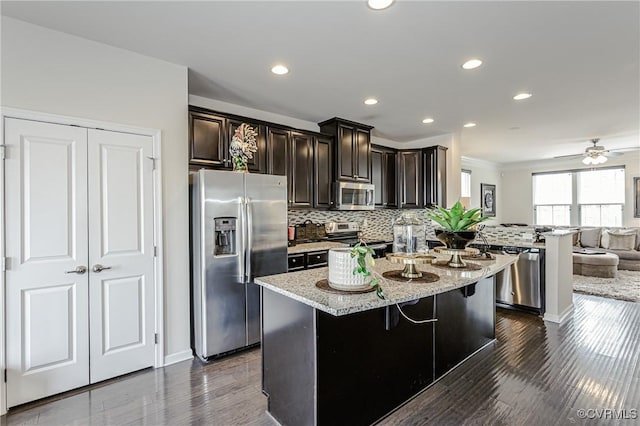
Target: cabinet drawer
{"points": [[295, 262], [317, 259]]}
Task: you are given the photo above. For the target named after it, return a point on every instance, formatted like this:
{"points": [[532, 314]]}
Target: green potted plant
{"points": [[456, 224], [364, 258]]}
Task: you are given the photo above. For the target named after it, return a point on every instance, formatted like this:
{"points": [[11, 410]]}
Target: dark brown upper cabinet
{"points": [[300, 178], [384, 176], [353, 149], [411, 189], [210, 135], [435, 176], [291, 153], [323, 171], [278, 141], [257, 164], [208, 143]]}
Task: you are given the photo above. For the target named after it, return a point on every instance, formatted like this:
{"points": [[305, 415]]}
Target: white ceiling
{"points": [[579, 59]]}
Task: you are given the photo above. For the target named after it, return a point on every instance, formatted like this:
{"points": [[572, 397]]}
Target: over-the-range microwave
{"points": [[353, 196]]}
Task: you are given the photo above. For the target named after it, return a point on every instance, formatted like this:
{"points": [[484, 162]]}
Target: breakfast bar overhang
{"points": [[351, 359]]}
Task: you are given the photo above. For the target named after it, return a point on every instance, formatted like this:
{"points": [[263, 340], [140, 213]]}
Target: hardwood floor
{"points": [[536, 373]]}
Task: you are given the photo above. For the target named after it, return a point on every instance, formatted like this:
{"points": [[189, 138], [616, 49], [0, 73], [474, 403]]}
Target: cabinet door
{"points": [[277, 151], [257, 164], [362, 156], [377, 172], [323, 171], [207, 141], [411, 179], [435, 176], [390, 179], [301, 171], [466, 322], [346, 160]]}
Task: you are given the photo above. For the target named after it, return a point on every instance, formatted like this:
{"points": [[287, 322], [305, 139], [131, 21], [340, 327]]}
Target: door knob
{"points": [[79, 270], [100, 268]]}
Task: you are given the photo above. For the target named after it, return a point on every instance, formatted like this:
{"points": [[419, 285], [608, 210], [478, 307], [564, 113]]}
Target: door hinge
{"points": [[153, 160], [155, 251], [3, 264], [155, 338], [5, 375], [3, 149]]}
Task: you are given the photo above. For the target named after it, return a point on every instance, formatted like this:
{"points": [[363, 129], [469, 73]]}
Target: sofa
{"points": [[623, 242]]}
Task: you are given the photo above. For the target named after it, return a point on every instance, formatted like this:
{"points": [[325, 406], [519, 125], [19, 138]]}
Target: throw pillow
{"points": [[590, 237], [576, 237], [622, 241], [604, 238]]}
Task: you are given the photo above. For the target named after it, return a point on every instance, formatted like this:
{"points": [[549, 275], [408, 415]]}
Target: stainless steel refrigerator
{"points": [[239, 228]]}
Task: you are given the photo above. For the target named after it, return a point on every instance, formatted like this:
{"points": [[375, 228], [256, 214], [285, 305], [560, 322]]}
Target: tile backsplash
{"points": [[373, 222], [376, 222]]}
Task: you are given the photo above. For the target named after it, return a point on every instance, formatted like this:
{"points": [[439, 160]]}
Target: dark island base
{"points": [[320, 369]]}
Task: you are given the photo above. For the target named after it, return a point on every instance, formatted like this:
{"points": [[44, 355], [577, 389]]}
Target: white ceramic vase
{"points": [[341, 266]]}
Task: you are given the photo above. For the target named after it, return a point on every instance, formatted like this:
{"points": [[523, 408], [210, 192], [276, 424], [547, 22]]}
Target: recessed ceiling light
{"points": [[428, 120], [521, 96], [370, 101], [470, 124], [379, 4], [471, 64], [280, 69]]}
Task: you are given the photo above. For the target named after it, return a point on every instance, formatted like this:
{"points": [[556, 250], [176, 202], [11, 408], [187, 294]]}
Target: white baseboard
{"points": [[178, 357], [559, 318]]}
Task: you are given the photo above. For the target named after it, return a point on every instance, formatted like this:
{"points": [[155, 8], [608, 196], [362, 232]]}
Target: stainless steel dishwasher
{"points": [[521, 286]]}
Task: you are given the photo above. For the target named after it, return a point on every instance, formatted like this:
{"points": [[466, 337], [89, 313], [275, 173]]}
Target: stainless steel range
{"points": [[350, 233]]}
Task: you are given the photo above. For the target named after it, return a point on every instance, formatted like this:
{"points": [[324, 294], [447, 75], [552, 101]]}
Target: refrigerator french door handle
{"points": [[242, 252], [249, 239]]}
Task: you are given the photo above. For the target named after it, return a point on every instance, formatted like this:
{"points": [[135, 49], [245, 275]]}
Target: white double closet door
{"points": [[79, 279]]}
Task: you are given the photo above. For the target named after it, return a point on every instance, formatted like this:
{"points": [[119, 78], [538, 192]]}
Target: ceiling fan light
{"points": [[587, 160], [601, 159]]}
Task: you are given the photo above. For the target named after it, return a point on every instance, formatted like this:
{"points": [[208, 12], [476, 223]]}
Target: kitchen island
{"points": [[352, 358]]}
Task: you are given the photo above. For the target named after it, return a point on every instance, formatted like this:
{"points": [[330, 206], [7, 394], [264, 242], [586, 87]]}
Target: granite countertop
{"points": [[307, 247], [300, 286], [503, 242]]}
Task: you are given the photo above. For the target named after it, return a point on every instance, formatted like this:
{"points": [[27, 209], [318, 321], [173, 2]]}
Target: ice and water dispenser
{"points": [[225, 236]]}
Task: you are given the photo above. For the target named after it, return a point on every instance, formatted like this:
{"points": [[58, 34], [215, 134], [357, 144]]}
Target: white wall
{"points": [[52, 72], [517, 185], [486, 172]]}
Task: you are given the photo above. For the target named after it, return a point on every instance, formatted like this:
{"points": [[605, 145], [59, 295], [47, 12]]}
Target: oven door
{"points": [[354, 196]]}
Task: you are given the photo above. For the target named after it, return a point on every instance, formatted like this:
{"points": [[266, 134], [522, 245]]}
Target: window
{"points": [[552, 198], [601, 197], [597, 200], [465, 181], [465, 188]]}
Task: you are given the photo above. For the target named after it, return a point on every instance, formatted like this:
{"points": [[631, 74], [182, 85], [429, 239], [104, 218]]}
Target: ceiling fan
{"points": [[596, 154]]}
